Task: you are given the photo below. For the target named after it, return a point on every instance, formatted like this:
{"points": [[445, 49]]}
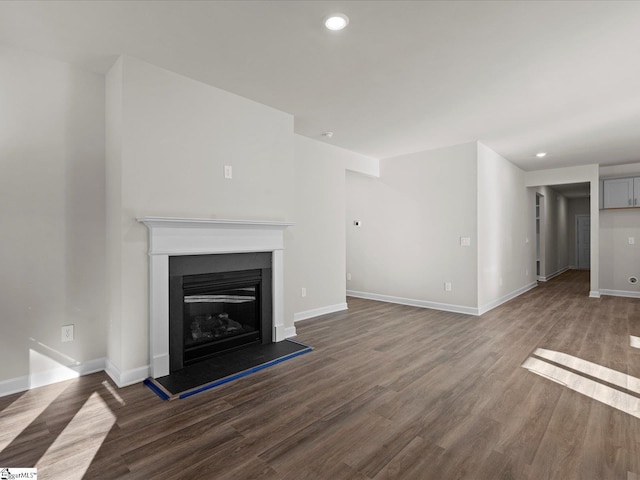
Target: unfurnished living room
{"points": [[291, 240]]}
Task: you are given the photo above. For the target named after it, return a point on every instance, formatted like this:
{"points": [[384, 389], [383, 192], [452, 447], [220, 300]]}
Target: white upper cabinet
{"points": [[636, 192], [618, 192]]}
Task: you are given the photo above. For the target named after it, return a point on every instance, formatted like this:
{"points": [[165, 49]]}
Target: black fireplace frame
{"points": [[254, 263]]}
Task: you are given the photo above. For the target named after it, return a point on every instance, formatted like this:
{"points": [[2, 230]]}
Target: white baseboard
{"points": [[620, 293], [280, 333], [48, 377], [316, 312], [290, 332], [554, 274], [506, 298], [128, 377], [413, 302], [14, 385], [594, 294], [443, 306]]}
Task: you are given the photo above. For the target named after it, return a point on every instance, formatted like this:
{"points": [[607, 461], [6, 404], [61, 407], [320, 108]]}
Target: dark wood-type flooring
{"points": [[389, 392]]}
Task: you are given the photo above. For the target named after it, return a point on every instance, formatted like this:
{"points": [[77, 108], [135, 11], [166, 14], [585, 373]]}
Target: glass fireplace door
{"points": [[220, 313]]}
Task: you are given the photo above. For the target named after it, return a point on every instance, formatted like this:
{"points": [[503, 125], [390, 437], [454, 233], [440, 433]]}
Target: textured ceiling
{"points": [[521, 77]]}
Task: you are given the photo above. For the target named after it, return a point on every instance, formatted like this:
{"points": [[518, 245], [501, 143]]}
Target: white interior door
{"points": [[583, 241]]}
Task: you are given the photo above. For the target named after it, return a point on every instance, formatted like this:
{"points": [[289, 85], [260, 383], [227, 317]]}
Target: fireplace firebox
{"points": [[217, 303]]}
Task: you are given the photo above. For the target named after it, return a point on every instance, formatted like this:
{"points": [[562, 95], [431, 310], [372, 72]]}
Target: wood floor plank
{"points": [[412, 462]]}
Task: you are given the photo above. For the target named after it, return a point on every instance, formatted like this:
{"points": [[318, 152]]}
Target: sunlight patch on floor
{"points": [[113, 393], [24, 411], [84, 434], [592, 369], [634, 341], [602, 393]]}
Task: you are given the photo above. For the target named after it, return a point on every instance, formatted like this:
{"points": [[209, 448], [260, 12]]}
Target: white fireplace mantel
{"points": [[201, 236]]}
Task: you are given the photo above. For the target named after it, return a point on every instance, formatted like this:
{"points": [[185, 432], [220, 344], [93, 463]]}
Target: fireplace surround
{"points": [[170, 237]]}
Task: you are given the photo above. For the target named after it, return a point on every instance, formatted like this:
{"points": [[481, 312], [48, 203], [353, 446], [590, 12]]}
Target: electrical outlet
{"points": [[228, 172], [465, 241], [67, 333], [500, 281], [303, 291], [447, 286], [632, 240], [348, 276]]}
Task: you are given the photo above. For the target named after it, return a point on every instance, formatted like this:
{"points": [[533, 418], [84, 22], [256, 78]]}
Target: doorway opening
{"points": [[563, 229]]}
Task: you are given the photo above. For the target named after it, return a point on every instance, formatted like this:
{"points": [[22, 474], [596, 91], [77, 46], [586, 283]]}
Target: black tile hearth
{"points": [[224, 368]]}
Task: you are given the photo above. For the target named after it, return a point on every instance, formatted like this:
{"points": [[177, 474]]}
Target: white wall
{"points": [[412, 219], [316, 247], [176, 136], [618, 259], [414, 215], [506, 230], [628, 170], [52, 268]]}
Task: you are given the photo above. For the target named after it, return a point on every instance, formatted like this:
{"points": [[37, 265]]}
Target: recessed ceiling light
{"points": [[541, 154], [327, 134], [336, 22]]}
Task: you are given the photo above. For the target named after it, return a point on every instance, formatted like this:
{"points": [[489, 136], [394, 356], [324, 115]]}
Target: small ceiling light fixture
{"points": [[327, 134], [336, 21], [541, 154]]}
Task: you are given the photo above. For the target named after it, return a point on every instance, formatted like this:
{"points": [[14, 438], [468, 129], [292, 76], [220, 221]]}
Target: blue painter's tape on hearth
{"points": [[155, 389]]}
